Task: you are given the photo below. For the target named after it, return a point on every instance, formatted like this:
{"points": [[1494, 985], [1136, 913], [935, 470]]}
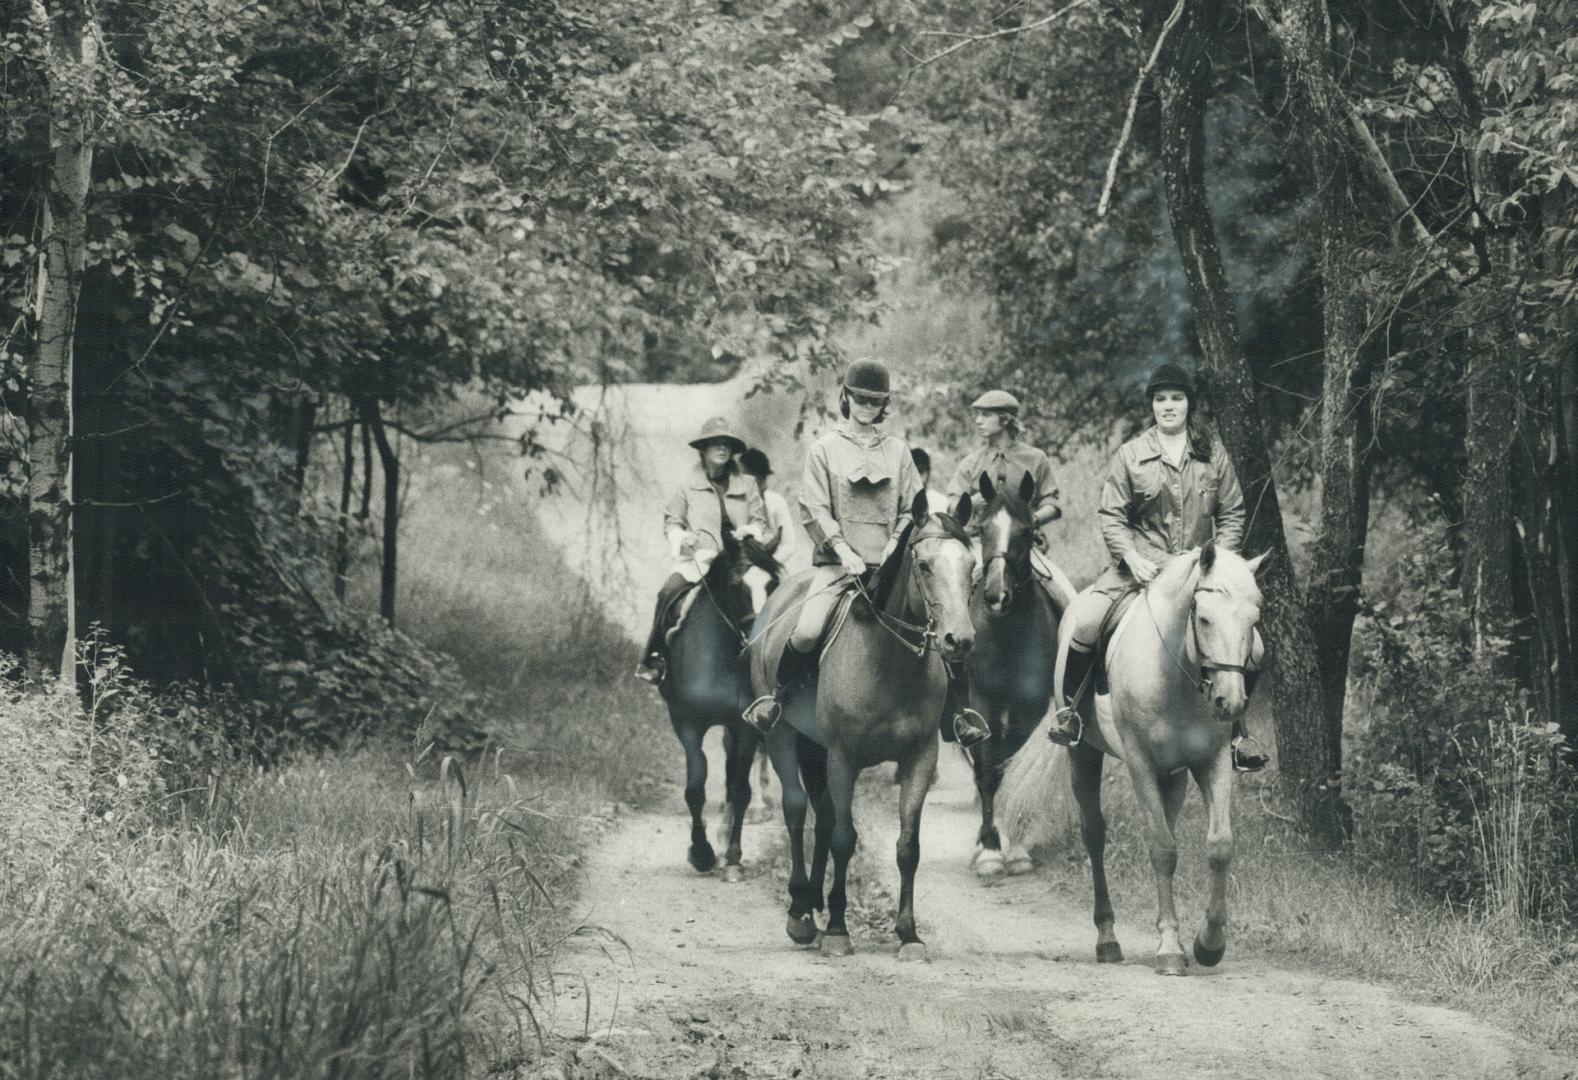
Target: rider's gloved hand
{"points": [[682, 544], [852, 563], [1141, 567]]}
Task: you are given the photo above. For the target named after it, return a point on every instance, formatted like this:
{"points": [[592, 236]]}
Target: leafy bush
{"points": [[1455, 787]]}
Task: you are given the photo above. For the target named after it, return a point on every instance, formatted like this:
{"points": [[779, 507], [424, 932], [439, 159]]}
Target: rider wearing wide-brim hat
{"points": [[1167, 490], [1006, 459], [714, 491], [855, 497]]}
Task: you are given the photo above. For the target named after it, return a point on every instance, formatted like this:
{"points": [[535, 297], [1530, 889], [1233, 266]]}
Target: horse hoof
{"points": [[1109, 952], [836, 945], [1208, 957], [802, 930], [989, 865], [1171, 964], [1020, 864], [912, 950], [733, 874], [703, 858]]}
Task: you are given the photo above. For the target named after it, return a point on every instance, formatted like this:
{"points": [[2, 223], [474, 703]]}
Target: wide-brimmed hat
{"points": [[718, 430], [997, 401], [1170, 377], [868, 376]]}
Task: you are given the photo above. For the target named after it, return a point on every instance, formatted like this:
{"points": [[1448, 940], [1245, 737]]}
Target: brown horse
{"points": [[1176, 664], [877, 697]]}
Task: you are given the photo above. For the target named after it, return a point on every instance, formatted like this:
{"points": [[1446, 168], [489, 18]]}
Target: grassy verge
{"points": [[382, 911]]}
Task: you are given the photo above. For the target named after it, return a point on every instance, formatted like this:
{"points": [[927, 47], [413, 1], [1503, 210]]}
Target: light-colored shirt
{"points": [[1159, 509], [1007, 467], [780, 518], [859, 489]]}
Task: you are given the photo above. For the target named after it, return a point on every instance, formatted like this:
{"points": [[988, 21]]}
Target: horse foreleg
{"points": [[988, 777], [1155, 795], [914, 782], [1216, 787], [1087, 766], [841, 792], [741, 741], [781, 750], [813, 769], [690, 736]]}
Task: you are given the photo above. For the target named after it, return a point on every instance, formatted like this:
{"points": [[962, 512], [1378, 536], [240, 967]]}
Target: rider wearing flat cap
{"points": [[714, 491], [1168, 490], [855, 499], [1005, 459]]}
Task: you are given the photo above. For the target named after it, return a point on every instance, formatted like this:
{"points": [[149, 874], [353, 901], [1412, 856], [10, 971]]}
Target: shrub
{"points": [[1455, 787]]}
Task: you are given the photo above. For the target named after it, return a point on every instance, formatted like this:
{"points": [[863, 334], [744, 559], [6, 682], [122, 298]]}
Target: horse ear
{"points": [[988, 489], [1208, 556], [1255, 563], [963, 509], [1027, 488], [919, 510]]}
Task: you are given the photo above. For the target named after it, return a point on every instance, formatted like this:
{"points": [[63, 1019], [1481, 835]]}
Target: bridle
{"points": [[900, 627], [1206, 663]]}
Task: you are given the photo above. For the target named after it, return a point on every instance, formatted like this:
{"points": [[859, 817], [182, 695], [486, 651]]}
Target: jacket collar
{"points": [[699, 481], [1151, 446]]}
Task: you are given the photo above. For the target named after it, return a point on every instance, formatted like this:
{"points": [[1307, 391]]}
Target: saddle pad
{"points": [[678, 610], [1109, 626], [771, 636]]}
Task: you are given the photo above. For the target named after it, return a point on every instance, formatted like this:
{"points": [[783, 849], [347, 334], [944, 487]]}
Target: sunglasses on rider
{"points": [[866, 399]]}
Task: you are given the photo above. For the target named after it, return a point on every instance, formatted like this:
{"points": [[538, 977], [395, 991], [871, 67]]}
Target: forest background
{"points": [[263, 262]]}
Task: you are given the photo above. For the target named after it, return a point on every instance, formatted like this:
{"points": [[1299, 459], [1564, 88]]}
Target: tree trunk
{"points": [[1487, 495], [51, 620], [391, 469], [1183, 84], [342, 524]]}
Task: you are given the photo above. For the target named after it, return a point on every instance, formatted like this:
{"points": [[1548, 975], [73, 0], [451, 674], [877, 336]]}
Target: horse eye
{"points": [[925, 568]]}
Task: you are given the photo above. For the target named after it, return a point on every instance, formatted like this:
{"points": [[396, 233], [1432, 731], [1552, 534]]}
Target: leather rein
{"points": [[893, 624]]}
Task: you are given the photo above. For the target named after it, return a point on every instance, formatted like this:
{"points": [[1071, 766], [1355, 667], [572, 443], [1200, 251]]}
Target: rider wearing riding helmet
{"points": [[855, 500], [1167, 490], [1005, 459], [693, 521]]}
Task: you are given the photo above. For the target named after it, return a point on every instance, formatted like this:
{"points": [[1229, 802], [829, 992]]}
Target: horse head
{"points": [[1007, 531], [940, 564], [752, 568], [1226, 608]]}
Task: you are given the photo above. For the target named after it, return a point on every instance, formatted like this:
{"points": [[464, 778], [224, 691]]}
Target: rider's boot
{"points": [[969, 727], [652, 668], [764, 712], [1066, 727], [1247, 755]]}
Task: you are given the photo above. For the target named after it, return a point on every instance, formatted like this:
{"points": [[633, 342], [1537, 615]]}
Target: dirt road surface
{"points": [[691, 977]]}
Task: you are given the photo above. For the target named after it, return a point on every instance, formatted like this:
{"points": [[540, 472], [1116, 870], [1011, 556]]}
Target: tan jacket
{"points": [[1150, 506], [858, 491], [694, 507], [1006, 467]]}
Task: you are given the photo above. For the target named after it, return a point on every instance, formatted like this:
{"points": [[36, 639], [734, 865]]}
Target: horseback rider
{"points": [[693, 520], [781, 525], [855, 500], [1005, 459], [1167, 490]]}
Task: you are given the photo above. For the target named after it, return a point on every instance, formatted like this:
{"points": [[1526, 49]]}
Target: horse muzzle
{"points": [[955, 645]]}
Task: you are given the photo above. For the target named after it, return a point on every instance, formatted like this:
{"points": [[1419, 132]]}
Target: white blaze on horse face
{"points": [[757, 580], [996, 579], [947, 570]]}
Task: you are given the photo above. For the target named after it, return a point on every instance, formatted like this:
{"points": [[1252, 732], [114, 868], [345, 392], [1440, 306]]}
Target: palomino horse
{"points": [[1011, 665], [1175, 664], [708, 682], [878, 697]]}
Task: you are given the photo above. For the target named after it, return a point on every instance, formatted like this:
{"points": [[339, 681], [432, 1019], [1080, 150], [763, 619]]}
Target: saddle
{"points": [[679, 610]]}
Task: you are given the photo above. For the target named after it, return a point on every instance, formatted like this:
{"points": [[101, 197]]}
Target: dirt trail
{"points": [[705, 983]]}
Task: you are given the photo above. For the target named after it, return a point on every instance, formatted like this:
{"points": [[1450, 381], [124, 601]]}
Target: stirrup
{"points": [[652, 669], [1058, 731], [1247, 760], [970, 728], [763, 713]]}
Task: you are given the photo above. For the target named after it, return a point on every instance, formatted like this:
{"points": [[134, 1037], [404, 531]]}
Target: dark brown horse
{"points": [[877, 697], [708, 683], [1011, 665]]}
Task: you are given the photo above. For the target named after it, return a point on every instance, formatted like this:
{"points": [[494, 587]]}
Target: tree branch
{"points": [[1134, 102], [967, 40]]}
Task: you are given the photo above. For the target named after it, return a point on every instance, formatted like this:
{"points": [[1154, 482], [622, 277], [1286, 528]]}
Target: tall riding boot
{"points": [[969, 727], [653, 665], [1247, 756], [1067, 728], [793, 665]]}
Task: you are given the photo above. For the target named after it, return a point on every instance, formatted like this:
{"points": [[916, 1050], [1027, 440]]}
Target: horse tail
{"points": [[1035, 802]]}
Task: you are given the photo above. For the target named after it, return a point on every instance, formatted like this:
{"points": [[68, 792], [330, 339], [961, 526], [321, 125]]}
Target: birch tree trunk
{"points": [[72, 56]]}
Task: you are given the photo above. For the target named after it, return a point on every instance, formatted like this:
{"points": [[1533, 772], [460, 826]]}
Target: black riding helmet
{"points": [[1171, 377], [868, 376]]}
